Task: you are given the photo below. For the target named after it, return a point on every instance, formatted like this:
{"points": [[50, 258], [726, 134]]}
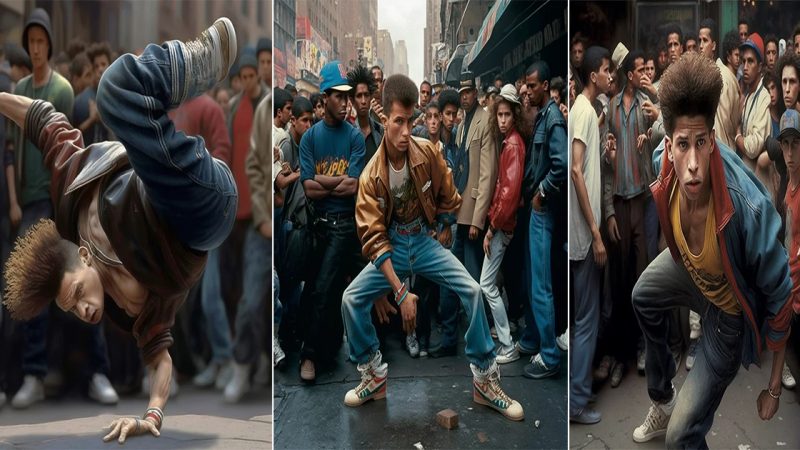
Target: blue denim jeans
{"points": [[663, 286], [277, 309], [540, 318], [250, 324], [34, 353], [418, 254], [470, 255], [586, 288], [217, 329], [190, 190]]}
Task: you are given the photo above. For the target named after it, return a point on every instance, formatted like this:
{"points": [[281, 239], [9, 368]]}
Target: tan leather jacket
{"points": [[141, 240], [374, 204]]}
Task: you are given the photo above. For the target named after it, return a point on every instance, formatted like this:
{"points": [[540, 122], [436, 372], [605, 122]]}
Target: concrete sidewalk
{"points": [[195, 419]]}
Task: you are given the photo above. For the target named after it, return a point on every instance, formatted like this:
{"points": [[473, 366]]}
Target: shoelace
{"points": [[203, 56], [494, 382], [654, 417], [787, 374], [366, 377]]}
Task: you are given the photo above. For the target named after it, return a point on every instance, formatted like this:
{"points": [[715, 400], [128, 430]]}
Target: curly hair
{"points": [[690, 87], [521, 123], [35, 268], [100, 49], [360, 75]]}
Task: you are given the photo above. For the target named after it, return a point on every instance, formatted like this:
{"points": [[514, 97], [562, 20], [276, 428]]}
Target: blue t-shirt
{"points": [[332, 151]]}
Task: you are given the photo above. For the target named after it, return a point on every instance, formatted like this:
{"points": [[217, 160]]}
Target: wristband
{"points": [[402, 298], [156, 414]]}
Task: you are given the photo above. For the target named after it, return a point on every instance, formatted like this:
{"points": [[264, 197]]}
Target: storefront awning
{"points": [[517, 32]]}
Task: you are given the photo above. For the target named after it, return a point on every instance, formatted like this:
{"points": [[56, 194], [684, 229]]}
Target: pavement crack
{"points": [[744, 432]]}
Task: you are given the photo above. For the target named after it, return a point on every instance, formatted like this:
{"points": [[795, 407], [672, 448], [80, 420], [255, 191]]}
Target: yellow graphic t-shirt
{"points": [[706, 268]]}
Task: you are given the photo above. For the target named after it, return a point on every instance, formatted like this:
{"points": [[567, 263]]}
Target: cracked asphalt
{"points": [[736, 424], [315, 416]]}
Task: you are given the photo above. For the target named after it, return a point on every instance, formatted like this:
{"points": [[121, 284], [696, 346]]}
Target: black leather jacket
{"points": [[141, 240]]}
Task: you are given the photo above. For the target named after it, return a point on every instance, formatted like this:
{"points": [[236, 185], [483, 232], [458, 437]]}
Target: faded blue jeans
{"points": [[189, 190], [540, 330], [250, 326], [419, 254], [218, 331], [470, 255], [663, 286]]}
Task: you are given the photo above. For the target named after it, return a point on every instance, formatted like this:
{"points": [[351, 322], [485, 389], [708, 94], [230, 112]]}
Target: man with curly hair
{"points": [[723, 261], [134, 219], [364, 86]]}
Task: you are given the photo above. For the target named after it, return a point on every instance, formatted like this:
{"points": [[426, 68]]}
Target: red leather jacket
{"points": [[507, 191]]}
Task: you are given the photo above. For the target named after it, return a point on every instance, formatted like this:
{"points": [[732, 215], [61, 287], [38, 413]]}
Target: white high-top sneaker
{"points": [[100, 390], [487, 391], [655, 424], [373, 382], [32, 391], [208, 58], [239, 384]]}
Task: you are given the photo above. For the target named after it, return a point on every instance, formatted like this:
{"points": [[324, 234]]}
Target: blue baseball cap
{"points": [[790, 124], [334, 76]]}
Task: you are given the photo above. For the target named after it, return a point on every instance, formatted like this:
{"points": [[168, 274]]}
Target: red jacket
{"points": [[202, 116], [507, 191]]}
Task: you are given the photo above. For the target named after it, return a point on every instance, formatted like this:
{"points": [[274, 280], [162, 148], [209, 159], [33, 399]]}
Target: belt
{"points": [[336, 217], [407, 229]]}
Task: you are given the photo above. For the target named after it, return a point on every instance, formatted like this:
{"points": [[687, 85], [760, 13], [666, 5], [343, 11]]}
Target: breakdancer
{"points": [[135, 218]]}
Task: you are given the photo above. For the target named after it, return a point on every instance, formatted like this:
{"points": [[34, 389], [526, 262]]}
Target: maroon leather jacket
{"points": [[141, 240], [507, 191]]}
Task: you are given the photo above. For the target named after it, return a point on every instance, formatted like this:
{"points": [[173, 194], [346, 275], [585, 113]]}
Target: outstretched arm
{"points": [[15, 107]]}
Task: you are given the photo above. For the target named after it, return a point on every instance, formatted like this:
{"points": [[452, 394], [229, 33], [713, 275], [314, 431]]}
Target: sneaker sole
{"points": [[233, 48], [583, 421], [506, 360], [479, 400], [650, 436], [380, 395], [539, 376]]}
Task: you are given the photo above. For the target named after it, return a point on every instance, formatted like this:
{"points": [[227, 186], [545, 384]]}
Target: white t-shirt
{"points": [[583, 126]]}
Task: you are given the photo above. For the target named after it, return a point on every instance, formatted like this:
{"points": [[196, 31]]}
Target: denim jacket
{"points": [[546, 158], [754, 261]]}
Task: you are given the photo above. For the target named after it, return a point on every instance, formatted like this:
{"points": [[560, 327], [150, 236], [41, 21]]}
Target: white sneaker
{"points": [[373, 382], [787, 378], [32, 391], [100, 389], [412, 345], [239, 384], [655, 424], [277, 352], [563, 341], [207, 376], [505, 356], [224, 375]]}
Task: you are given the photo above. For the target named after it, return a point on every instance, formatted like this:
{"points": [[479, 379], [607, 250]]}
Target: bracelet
{"points": [[769, 389], [402, 298], [156, 414], [399, 293]]}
